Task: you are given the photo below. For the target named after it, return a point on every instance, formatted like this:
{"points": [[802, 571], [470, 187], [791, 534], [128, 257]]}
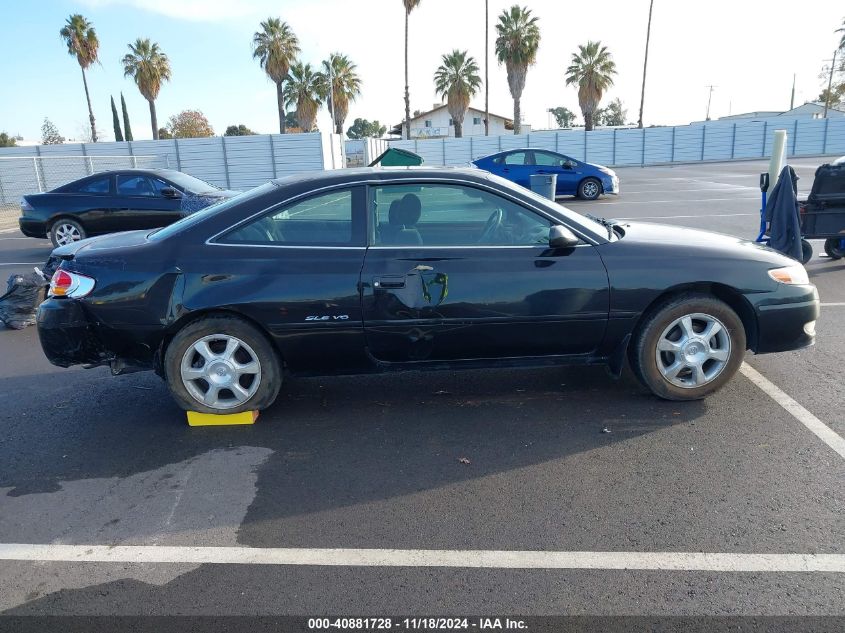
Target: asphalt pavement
{"points": [[427, 467]]}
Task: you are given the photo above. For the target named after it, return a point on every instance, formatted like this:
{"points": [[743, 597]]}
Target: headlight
{"points": [[793, 275]]}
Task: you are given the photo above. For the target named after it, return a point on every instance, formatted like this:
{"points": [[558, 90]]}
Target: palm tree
{"points": [[457, 81], [841, 30], [410, 5], [276, 47], [82, 43], [149, 67], [516, 46], [304, 90], [345, 84], [592, 69]]}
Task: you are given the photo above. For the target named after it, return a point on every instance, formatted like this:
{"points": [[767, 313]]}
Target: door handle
{"points": [[389, 282]]}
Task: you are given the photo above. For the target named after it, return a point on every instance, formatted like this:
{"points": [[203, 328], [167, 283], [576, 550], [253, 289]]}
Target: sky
{"points": [[748, 49]]}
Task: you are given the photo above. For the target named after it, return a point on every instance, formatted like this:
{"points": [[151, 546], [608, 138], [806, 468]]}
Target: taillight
{"points": [[68, 284], [25, 206]]}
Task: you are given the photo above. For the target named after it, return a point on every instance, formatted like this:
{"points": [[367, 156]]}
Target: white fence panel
{"points": [[543, 140], [658, 144], [629, 147], [835, 137], [250, 160], [484, 146], [748, 142], [571, 143], [601, 146], [458, 151], [808, 137], [718, 142]]}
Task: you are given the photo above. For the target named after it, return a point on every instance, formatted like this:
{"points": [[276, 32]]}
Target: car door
{"points": [[516, 167], [140, 206], [562, 166], [295, 269], [458, 271]]}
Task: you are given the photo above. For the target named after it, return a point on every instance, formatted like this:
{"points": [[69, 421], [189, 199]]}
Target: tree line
{"points": [[335, 83]]}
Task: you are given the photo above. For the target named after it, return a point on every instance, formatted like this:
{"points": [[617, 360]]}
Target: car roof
{"points": [[135, 170], [339, 176]]}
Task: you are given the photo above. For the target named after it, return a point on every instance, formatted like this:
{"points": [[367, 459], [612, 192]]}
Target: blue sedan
{"points": [[574, 178]]}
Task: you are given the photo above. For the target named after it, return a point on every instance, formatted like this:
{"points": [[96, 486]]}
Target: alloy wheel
{"points": [[220, 371], [693, 350], [67, 233], [590, 189]]}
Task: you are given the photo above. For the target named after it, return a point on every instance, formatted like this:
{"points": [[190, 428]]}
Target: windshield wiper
{"points": [[608, 224]]}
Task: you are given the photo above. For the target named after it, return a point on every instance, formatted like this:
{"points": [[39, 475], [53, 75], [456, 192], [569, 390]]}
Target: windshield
{"points": [[573, 216], [191, 184], [202, 214]]}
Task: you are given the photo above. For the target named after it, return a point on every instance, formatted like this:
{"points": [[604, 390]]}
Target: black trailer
{"points": [[823, 212]]}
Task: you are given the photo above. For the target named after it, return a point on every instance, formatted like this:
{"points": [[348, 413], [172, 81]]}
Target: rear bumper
{"points": [[66, 336], [786, 319], [32, 228]]}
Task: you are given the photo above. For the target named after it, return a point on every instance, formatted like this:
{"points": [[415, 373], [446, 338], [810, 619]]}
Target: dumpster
{"points": [[395, 157], [544, 184]]}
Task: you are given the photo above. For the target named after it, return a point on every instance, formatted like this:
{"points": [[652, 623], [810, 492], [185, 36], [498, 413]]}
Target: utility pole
{"points": [[645, 63], [331, 94], [709, 98], [830, 84], [486, 68], [792, 98]]}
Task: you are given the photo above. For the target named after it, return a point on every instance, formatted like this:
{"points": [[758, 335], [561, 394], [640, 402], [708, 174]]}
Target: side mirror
{"points": [[562, 237], [568, 164], [170, 192]]}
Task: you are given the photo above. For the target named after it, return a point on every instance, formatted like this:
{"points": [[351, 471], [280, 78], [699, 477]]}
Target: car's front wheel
{"points": [[222, 364], [688, 347], [589, 189], [66, 231]]}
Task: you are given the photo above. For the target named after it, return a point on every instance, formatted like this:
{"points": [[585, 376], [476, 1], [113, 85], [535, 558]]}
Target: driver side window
{"points": [[452, 215]]}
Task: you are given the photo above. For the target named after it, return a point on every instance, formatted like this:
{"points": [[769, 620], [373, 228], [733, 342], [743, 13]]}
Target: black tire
{"points": [[269, 379], [589, 189], [806, 251], [643, 349], [833, 249], [65, 228]]}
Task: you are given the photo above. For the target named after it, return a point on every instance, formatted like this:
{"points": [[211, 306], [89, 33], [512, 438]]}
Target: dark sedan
{"points": [[354, 271], [112, 201]]}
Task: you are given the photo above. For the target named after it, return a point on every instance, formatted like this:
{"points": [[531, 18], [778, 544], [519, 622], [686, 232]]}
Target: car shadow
{"points": [[332, 442]]}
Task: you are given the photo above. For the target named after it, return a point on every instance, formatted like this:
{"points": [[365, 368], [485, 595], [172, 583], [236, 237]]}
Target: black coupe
{"points": [[112, 201], [361, 270]]}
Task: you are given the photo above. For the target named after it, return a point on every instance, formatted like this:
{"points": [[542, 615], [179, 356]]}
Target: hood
{"points": [[100, 243], [701, 243], [600, 167]]}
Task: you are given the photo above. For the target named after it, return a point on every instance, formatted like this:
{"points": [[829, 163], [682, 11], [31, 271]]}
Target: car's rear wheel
{"points": [[222, 364], [66, 231], [589, 189], [688, 347], [833, 246]]}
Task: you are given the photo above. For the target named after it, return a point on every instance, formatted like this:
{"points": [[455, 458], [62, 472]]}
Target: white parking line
{"points": [[668, 217], [835, 304], [495, 559], [21, 263], [816, 426]]}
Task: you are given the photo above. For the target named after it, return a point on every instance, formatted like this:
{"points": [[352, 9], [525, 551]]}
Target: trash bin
{"points": [[395, 157], [544, 184]]}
